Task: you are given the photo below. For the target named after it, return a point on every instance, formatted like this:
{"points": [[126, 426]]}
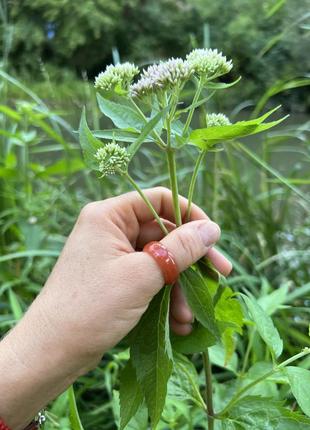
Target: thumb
{"points": [[191, 241], [187, 243]]}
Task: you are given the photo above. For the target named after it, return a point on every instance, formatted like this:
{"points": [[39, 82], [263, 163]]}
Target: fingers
{"points": [[191, 241], [179, 308], [161, 199], [151, 231], [180, 329], [219, 261]]}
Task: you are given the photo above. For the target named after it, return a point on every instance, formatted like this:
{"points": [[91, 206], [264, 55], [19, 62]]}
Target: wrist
{"points": [[35, 367]]}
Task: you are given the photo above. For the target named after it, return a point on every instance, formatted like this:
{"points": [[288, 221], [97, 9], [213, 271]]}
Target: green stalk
{"points": [[247, 387], [193, 183], [209, 391], [192, 109], [174, 184], [147, 202], [160, 142]]}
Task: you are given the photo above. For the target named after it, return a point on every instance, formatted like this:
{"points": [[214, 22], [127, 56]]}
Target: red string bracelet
{"points": [[165, 261], [3, 426]]}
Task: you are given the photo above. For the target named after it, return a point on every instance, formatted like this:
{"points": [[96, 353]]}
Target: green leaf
{"points": [[207, 137], [261, 413], [272, 302], [88, 143], [118, 135], [74, 414], [184, 381], [265, 326], [217, 355], [151, 353], [145, 132], [221, 85], [228, 310], [131, 396], [299, 380], [15, 305], [199, 340], [199, 299], [121, 115]]}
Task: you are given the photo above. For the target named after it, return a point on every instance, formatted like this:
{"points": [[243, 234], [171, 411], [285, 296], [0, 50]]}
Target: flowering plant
{"points": [[150, 108]]}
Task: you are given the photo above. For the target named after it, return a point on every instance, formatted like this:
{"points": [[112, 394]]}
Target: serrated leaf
{"points": [[89, 143], [184, 381], [138, 422], [207, 137], [131, 396], [199, 340], [121, 115], [299, 380], [261, 413], [199, 299], [228, 310], [151, 354], [265, 326]]}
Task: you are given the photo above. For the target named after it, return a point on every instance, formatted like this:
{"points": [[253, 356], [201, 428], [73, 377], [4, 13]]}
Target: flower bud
{"points": [[162, 76], [215, 119], [112, 159], [208, 63], [120, 75]]}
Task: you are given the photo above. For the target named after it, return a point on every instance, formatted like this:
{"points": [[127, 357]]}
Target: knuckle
{"points": [[189, 243], [162, 190], [92, 211]]}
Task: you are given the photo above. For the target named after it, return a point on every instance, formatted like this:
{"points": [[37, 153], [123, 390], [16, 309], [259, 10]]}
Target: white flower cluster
{"points": [[112, 159], [208, 62], [164, 75], [215, 119], [118, 75]]}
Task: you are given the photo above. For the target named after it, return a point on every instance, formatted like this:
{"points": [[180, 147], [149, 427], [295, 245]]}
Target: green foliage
{"points": [[263, 212], [260, 413], [264, 326], [205, 138], [154, 369], [199, 299], [299, 380], [151, 354]]}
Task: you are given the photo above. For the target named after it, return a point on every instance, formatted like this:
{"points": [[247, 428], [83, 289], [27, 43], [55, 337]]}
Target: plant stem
{"points": [[209, 393], [192, 109], [248, 351], [147, 202], [174, 185], [247, 387], [193, 183], [160, 142]]}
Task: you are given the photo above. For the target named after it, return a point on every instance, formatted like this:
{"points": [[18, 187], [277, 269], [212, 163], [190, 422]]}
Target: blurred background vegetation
{"points": [[257, 190]]}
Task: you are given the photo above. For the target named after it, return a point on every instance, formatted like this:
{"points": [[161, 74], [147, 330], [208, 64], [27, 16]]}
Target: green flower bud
{"points": [[120, 75], [112, 159], [208, 62], [214, 119]]}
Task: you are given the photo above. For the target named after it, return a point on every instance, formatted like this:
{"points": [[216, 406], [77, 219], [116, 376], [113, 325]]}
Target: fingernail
{"points": [[209, 232]]}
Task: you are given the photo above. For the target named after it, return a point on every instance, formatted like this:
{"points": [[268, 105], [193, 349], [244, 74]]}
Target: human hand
{"points": [[101, 285]]}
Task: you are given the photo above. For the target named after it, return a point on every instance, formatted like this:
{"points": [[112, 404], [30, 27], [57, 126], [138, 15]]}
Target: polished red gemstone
{"points": [[165, 261]]}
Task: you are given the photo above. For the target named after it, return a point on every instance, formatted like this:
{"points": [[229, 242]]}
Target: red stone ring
{"points": [[165, 261]]}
